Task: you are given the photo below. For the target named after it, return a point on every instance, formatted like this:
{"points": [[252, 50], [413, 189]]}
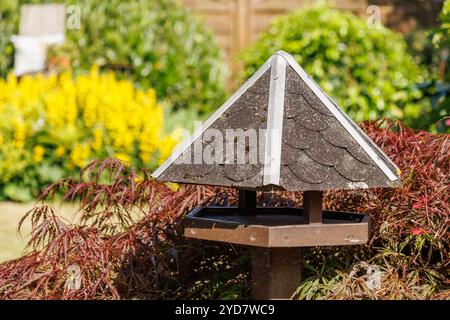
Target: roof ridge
{"points": [[274, 127]]}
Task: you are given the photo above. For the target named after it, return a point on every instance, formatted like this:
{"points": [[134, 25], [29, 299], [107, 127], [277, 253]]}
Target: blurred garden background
{"points": [[130, 75]]}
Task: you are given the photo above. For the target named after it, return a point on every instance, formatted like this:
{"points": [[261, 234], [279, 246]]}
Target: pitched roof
{"points": [[310, 143]]}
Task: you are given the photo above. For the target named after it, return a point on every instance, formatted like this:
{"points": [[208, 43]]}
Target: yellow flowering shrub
{"points": [[50, 126]]}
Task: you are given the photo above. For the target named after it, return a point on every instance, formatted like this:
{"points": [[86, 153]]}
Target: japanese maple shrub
{"points": [[128, 242]]}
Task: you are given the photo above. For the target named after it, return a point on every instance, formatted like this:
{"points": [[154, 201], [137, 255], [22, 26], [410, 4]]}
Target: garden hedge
{"points": [[441, 103], [367, 68]]}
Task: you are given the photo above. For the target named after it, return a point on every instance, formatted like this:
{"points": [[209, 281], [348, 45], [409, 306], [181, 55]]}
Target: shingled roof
{"points": [[319, 148]]}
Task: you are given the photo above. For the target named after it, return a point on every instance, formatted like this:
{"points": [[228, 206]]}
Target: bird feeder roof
{"points": [[309, 143]]}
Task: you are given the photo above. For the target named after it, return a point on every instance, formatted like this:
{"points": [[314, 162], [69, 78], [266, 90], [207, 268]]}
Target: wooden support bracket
{"points": [[312, 207], [247, 202]]}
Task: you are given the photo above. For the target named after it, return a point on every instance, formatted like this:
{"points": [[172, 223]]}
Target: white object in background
{"points": [[31, 52]]}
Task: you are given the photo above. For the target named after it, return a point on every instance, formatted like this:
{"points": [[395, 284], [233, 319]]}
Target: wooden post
{"points": [[247, 202], [312, 206], [276, 272]]}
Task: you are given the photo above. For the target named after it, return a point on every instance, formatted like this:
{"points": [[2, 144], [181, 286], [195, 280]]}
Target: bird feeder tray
{"points": [[276, 227]]}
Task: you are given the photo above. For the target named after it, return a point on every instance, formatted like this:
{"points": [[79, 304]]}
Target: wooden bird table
{"points": [[307, 143]]}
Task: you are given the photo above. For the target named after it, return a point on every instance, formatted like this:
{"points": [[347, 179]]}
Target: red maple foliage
{"points": [[128, 242]]}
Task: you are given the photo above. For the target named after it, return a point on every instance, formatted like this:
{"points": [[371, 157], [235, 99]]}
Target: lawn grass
{"points": [[12, 244]]}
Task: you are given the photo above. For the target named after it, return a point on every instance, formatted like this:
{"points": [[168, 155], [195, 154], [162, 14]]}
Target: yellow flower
{"points": [[38, 153], [173, 186], [123, 157], [168, 143], [19, 133], [60, 151], [90, 116], [80, 155], [145, 157], [98, 139]]}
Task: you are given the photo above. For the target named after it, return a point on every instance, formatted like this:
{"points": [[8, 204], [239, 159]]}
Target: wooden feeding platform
{"points": [[276, 227], [307, 144]]}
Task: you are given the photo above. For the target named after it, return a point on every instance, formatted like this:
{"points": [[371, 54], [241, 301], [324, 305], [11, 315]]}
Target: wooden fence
{"points": [[237, 23]]}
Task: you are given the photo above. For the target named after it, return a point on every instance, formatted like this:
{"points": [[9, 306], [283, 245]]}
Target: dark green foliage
{"points": [[367, 69], [439, 89], [431, 49]]}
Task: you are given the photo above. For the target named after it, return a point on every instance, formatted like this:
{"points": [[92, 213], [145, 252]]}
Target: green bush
{"points": [[367, 69], [441, 36], [156, 43], [441, 93], [431, 48]]}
